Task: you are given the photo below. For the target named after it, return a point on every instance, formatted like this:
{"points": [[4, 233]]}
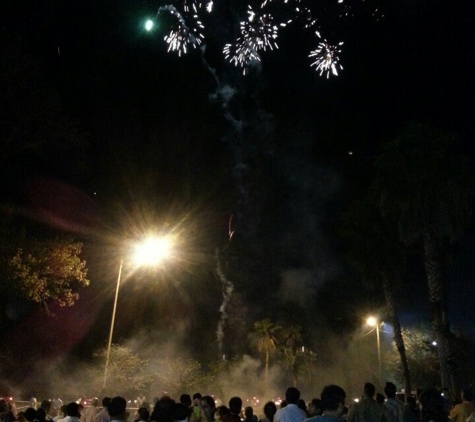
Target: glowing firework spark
{"points": [[257, 33], [327, 59], [184, 34]]}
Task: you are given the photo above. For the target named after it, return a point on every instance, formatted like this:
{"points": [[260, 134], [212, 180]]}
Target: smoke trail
{"points": [[227, 289]]}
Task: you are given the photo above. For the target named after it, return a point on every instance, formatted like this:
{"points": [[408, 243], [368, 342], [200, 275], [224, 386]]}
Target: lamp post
{"points": [[373, 322], [152, 251]]}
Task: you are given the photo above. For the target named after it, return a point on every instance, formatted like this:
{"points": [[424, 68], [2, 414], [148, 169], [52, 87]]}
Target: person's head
{"points": [[196, 398], [390, 390], [380, 398], [292, 395], [63, 409], [333, 398], [41, 415], [72, 409], [302, 405], [94, 402], [432, 406], [369, 390], [185, 399], [222, 411], [248, 412], [46, 404], [105, 401], [181, 411], [269, 410], [467, 394], [143, 413], [116, 408], [235, 405], [30, 414], [314, 407], [164, 410], [209, 406]]}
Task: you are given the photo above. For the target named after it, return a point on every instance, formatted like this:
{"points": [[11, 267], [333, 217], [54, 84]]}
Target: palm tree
{"points": [[264, 334], [291, 335], [380, 258], [424, 186]]}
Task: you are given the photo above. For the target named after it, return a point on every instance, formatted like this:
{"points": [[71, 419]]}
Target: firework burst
{"points": [[327, 58], [258, 32], [186, 32]]}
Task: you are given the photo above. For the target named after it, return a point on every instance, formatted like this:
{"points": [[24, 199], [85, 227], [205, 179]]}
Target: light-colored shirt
{"points": [[103, 415], [394, 410], [290, 413]]}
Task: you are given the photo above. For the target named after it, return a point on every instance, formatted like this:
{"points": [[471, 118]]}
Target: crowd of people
{"points": [[429, 405]]}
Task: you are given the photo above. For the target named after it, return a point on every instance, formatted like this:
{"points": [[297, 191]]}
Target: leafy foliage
{"points": [[421, 355], [48, 270], [178, 375], [126, 371]]}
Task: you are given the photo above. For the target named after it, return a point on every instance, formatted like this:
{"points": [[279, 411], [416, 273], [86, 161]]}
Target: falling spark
{"points": [[326, 58]]}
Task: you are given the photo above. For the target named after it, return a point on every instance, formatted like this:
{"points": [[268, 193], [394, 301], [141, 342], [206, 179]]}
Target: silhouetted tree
{"points": [[378, 254], [424, 187]]}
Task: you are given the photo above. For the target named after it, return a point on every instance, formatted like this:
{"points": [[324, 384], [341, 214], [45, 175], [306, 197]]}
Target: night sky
{"points": [[154, 146]]}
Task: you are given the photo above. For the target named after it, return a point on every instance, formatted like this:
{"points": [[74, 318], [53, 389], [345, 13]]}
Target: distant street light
{"points": [[152, 251], [373, 322]]}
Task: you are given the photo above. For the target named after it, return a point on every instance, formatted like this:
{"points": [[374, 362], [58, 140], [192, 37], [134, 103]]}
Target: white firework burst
{"points": [[241, 54], [327, 58], [183, 34]]}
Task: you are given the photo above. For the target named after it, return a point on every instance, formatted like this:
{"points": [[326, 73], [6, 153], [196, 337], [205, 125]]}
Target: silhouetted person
{"points": [[332, 403], [433, 407], [367, 409], [249, 414], [181, 411], [117, 409], [394, 407], [292, 412], [103, 414], [235, 406], [411, 410], [163, 410], [222, 411], [46, 405], [270, 410]]}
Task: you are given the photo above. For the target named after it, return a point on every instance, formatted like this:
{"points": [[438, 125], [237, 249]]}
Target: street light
{"points": [[373, 322], [152, 251]]}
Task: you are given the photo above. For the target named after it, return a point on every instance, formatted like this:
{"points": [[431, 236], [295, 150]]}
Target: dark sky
{"points": [[158, 138]]}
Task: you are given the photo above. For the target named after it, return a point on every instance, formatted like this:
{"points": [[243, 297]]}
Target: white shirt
{"points": [[290, 413]]}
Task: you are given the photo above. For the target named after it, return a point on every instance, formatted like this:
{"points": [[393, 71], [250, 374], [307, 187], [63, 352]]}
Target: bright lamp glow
{"points": [[371, 321], [149, 24], [152, 251]]}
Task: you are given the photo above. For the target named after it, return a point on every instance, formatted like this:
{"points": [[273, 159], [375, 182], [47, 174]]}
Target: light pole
{"points": [[111, 332], [373, 322], [151, 251]]}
